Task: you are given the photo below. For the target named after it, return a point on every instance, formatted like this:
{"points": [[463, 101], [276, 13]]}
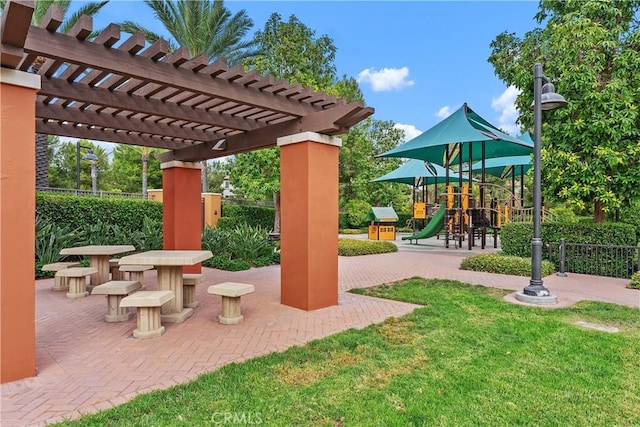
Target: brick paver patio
{"points": [[86, 365]]}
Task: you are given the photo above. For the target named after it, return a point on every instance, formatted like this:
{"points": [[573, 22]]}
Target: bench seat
{"points": [[189, 282], [115, 291], [136, 272], [231, 293], [60, 283], [114, 266], [148, 305], [77, 280]]}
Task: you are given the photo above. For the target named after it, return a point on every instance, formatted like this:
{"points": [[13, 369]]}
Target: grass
{"points": [[466, 358]]}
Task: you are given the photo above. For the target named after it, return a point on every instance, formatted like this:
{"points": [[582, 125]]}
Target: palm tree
{"points": [[203, 27], [40, 10]]}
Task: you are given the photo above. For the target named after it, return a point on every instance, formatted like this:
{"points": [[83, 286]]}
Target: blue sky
{"points": [[416, 61]]}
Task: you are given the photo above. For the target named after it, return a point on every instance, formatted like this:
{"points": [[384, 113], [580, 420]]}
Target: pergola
{"points": [[132, 92]]}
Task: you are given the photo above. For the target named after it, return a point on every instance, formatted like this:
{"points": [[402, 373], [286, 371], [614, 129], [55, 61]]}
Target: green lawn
{"points": [[467, 358]]}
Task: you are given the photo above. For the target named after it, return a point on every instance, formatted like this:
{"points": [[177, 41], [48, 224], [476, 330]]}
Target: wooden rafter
{"points": [[119, 91]]}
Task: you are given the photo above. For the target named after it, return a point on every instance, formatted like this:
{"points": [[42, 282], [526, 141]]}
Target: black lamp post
{"points": [[89, 156], [544, 98]]}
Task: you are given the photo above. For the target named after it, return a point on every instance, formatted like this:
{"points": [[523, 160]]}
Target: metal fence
{"points": [[90, 193], [599, 260]]}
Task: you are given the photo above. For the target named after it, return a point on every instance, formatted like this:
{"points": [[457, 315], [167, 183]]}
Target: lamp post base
{"points": [[537, 300]]}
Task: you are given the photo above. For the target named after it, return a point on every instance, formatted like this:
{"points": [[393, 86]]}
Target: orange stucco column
{"points": [[309, 220], [17, 224], [182, 208]]}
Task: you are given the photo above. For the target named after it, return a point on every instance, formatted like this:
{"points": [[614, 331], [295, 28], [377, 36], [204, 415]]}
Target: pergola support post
{"points": [[309, 222], [17, 218], [182, 208]]}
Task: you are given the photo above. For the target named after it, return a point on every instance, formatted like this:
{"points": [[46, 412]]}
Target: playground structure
{"points": [[462, 215]]}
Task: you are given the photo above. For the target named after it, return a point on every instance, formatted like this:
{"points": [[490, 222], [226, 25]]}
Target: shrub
{"points": [[357, 211], [50, 239], [635, 281], [227, 223], [504, 264], [257, 216], [351, 231], [83, 212], [516, 241], [249, 243], [354, 247], [516, 236], [240, 248], [223, 263], [563, 214]]}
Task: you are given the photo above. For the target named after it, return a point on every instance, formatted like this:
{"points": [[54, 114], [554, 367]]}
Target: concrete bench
{"points": [[60, 283], [77, 280], [115, 291], [116, 274], [136, 272], [231, 293], [148, 305], [189, 282]]}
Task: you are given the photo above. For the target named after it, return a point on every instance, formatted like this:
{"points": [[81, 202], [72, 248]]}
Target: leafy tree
{"points": [[358, 164], [204, 27], [217, 170], [128, 169], [62, 167], [289, 50], [591, 149]]}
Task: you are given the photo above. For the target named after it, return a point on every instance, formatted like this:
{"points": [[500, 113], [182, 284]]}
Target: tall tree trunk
{"points": [[42, 161], [205, 177], [145, 167], [598, 214], [276, 205]]}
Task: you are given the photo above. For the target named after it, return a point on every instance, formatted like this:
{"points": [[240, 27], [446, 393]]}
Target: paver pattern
{"points": [[96, 365]]}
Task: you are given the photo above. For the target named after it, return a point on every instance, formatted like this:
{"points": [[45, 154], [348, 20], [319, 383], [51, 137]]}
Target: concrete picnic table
{"points": [[170, 266], [99, 258]]}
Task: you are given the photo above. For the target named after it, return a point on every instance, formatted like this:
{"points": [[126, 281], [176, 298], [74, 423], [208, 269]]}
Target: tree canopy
{"points": [[591, 51]]}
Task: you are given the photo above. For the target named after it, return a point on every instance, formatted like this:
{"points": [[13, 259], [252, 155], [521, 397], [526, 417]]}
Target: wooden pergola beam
{"points": [[54, 128], [57, 88], [326, 122], [74, 115], [83, 53]]}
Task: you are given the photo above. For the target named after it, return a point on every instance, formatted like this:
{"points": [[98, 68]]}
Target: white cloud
{"points": [[444, 112], [505, 104], [386, 79], [410, 131]]}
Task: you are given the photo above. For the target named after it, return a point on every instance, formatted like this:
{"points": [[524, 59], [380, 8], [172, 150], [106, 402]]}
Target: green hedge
{"points": [[516, 241], [504, 264], [354, 247], [635, 281], [256, 216], [82, 211], [516, 236]]}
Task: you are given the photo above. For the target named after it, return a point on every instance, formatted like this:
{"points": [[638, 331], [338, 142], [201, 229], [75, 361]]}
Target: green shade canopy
{"points": [[463, 127], [412, 169], [382, 214], [502, 166]]}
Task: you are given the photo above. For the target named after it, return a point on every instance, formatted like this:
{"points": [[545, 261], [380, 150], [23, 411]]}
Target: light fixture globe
{"points": [[90, 156], [549, 99]]}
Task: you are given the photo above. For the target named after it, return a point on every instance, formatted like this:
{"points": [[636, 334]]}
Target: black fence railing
{"points": [[98, 193], [599, 260]]}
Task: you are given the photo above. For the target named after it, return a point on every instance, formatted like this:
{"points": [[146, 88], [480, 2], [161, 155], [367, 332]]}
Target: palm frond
{"points": [[90, 9]]}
